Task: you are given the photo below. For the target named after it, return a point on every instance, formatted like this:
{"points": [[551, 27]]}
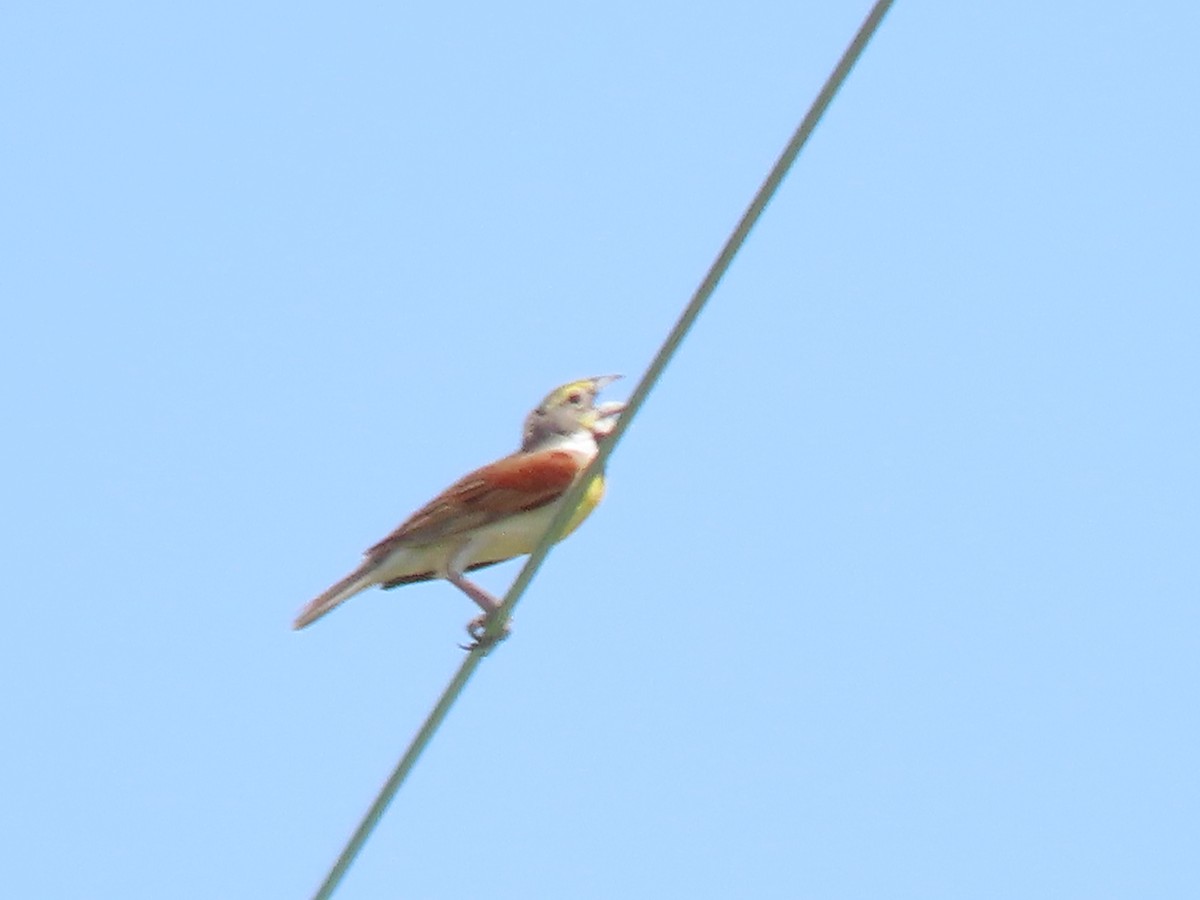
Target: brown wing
{"points": [[511, 485]]}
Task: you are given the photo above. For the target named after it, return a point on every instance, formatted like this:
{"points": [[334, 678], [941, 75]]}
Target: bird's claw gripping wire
{"points": [[480, 639]]}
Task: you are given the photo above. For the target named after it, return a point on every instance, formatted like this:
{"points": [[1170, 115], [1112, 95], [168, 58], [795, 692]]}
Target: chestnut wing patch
{"points": [[517, 483]]}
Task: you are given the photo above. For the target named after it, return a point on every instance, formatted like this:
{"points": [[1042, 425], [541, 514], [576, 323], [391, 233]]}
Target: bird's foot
{"points": [[480, 639]]}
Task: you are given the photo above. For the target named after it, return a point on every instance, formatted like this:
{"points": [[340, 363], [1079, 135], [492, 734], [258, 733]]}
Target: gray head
{"points": [[570, 409]]}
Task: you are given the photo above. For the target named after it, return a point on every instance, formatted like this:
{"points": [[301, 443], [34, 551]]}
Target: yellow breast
{"points": [[591, 499]]}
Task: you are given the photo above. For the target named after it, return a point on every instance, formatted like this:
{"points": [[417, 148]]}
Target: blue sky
{"points": [[895, 590]]}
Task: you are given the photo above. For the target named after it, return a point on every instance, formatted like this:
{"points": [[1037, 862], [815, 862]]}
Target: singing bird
{"points": [[494, 513]]}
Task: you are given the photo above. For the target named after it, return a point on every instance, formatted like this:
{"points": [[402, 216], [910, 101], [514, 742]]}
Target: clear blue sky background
{"points": [[895, 592]]}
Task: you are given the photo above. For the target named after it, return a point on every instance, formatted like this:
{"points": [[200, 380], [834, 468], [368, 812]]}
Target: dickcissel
{"points": [[494, 513]]}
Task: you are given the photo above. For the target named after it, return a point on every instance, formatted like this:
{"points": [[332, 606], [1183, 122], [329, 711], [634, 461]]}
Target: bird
{"points": [[494, 513]]}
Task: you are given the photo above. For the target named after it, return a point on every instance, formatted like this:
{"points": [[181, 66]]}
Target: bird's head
{"points": [[571, 410]]}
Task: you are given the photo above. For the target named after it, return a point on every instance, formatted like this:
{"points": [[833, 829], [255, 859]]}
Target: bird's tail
{"points": [[358, 580]]}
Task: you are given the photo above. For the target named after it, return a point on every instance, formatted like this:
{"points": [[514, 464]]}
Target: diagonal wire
{"points": [[575, 494]]}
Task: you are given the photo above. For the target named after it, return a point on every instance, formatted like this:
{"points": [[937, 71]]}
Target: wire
{"points": [[575, 494]]}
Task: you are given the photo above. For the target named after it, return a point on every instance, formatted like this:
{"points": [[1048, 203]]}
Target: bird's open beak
{"points": [[600, 382], [604, 415]]}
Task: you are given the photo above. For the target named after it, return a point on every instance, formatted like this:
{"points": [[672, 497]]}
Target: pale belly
{"points": [[515, 536]]}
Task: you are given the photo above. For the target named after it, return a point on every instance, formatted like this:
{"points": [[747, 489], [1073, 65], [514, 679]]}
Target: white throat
{"points": [[581, 442]]}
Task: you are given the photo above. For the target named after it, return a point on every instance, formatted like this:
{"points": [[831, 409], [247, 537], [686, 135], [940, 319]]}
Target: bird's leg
{"points": [[477, 627], [482, 598]]}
